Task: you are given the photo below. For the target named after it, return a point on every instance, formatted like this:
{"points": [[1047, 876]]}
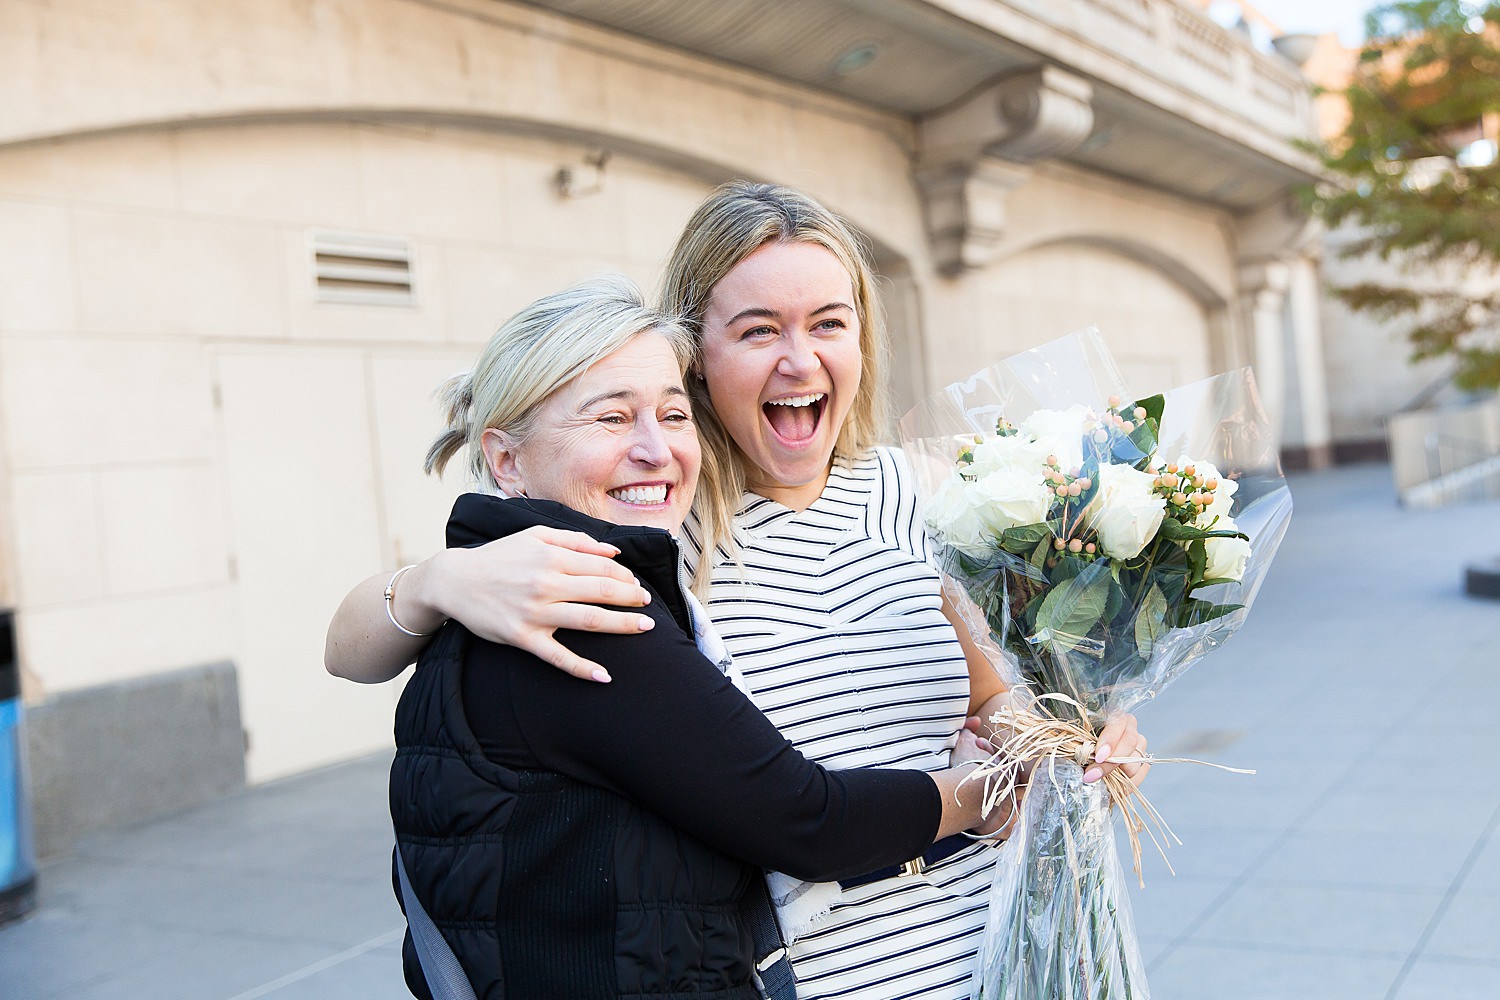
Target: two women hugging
{"points": [[787, 715]]}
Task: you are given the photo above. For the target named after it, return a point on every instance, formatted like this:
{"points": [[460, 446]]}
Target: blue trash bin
{"points": [[17, 856]]}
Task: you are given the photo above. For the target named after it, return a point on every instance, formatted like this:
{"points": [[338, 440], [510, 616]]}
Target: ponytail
{"points": [[457, 397]]}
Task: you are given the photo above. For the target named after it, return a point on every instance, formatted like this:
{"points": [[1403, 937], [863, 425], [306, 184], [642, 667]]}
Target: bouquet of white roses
{"points": [[1097, 546]]}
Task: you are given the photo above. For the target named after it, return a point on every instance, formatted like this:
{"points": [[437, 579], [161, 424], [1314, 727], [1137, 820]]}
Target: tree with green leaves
{"points": [[1421, 180]]}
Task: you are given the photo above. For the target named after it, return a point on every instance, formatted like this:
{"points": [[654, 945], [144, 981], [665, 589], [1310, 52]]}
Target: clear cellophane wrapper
{"points": [[1082, 635]]}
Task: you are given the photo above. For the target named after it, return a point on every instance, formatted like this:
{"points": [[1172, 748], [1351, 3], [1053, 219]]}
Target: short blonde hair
{"points": [[736, 220], [536, 352]]}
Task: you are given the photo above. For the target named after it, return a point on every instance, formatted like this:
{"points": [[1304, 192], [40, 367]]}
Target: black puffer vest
{"points": [[546, 887]]}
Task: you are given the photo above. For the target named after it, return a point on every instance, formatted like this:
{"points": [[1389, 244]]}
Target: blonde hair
{"points": [[538, 351], [736, 220]]}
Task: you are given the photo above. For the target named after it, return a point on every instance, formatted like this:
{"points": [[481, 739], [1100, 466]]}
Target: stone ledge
{"points": [[124, 753]]}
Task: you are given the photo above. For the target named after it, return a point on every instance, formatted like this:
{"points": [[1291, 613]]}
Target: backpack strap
{"points": [[773, 967], [445, 977]]}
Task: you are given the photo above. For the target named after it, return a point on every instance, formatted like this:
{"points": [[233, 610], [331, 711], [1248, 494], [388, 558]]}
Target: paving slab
{"points": [[271, 892], [1238, 972], [1442, 979]]}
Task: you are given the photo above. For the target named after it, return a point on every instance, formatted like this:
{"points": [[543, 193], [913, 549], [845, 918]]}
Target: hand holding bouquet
{"points": [[1096, 547]]}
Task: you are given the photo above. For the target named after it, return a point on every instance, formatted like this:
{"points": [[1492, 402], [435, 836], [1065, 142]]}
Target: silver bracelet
{"points": [[390, 604]]}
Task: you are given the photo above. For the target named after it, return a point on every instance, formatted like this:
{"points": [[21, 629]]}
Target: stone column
{"points": [[1263, 288], [1307, 360]]}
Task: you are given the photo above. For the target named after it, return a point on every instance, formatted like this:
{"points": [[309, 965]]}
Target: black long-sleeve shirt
{"points": [[673, 733]]}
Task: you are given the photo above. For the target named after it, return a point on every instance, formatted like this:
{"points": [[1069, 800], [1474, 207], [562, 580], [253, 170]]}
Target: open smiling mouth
{"points": [[642, 496], [795, 419]]}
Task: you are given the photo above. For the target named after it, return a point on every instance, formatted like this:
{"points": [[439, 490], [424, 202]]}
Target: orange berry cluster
{"points": [[1187, 491], [1122, 420], [1075, 545], [1067, 487], [1062, 484]]}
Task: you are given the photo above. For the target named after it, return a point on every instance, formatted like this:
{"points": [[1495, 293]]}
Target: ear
{"points": [[502, 457]]}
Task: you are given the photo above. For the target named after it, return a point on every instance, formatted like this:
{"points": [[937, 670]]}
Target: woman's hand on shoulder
{"points": [[516, 590], [520, 589]]}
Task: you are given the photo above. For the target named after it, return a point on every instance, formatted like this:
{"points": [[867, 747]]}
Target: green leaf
{"points": [[1165, 559], [1068, 566], [1173, 587], [1023, 538], [1150, 621], [1144, 438], [1039, 554], [1072, 609], [967, 564], [1198, 559], [1175, 531], [1029, 613], [1115, 602], [1153, 405], [1198, 612]]}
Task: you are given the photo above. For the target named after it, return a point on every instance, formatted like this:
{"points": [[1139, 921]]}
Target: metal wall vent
{"points": [[368, 270]]}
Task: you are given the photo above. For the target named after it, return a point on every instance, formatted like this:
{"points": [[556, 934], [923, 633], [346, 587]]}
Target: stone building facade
{"points": [[240, 245]]}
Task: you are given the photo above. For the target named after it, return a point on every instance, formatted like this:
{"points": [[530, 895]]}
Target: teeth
{"points": [[807, 400], [644, 495]]}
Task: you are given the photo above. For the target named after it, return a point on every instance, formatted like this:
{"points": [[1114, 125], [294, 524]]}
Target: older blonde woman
{"points": [[814, 561], [576, 840]]}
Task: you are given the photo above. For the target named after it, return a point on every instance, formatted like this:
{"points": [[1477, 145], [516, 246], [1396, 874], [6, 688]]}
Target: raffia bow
{"points": [[1043, 740]]}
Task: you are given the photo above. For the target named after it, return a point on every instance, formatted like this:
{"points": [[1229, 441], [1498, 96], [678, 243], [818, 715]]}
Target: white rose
{"points": [[1226, 556], [1015, 453], [1126, 514], [1059, 432], [1011, 497], [952, 516]]}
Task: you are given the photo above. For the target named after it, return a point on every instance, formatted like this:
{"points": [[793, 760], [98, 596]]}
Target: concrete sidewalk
{"points": [[282, 891], [1362, 862]]}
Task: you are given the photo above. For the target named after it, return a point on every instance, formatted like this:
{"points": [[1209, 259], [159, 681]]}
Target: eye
{"points": [[616, 419], [831, 325], [677, 417], [758, 333]]}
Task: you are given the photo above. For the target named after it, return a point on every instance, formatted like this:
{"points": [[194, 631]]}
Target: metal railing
{"points": [[1458, 468], [1448, 455]]}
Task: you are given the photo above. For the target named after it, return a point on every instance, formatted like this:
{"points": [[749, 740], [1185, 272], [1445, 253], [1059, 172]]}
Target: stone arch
{"points": [[681, 157], [1137, 293], [1178, 271]]}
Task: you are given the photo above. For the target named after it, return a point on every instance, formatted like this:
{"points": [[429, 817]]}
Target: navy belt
{"points": [[940, 851]]}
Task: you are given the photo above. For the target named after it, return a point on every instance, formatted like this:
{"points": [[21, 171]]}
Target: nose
{"points": [[648, 445], [798, 359]]}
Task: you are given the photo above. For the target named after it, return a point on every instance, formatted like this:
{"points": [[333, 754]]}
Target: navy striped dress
{"points": [[836, 621]]}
